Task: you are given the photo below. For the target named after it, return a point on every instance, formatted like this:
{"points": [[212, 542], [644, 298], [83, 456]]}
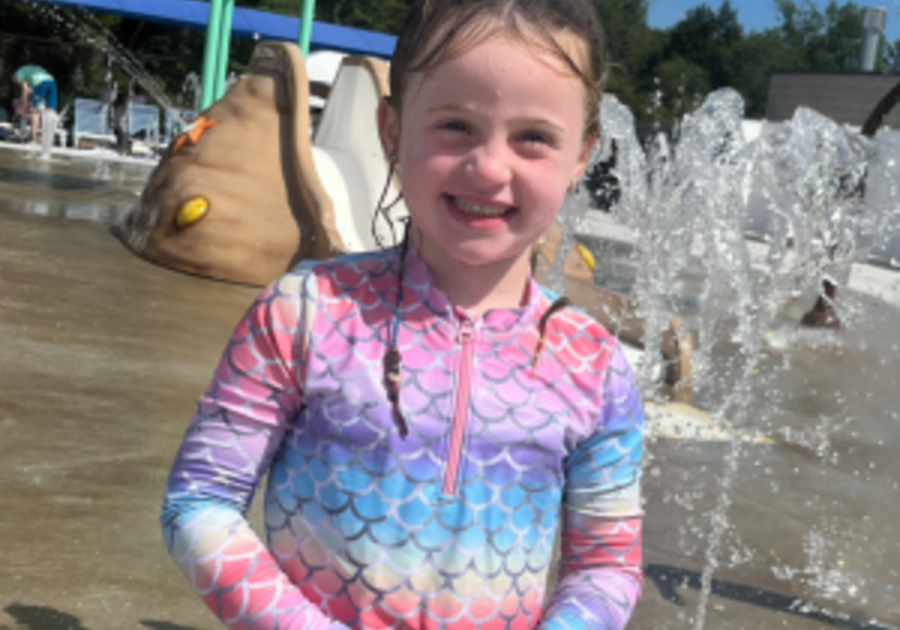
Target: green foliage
{"points": [[682, 86], [707, 39], [700, 54], [821, 41], [633, 49], [384, 16], [167, 54], [754, 59], [625, 24]]}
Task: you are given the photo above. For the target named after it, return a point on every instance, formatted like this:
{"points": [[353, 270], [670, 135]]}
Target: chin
{"points": [[484, 256]]}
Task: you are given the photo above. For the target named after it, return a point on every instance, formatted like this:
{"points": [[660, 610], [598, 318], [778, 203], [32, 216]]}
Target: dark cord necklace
{"points": [[392, 375]]}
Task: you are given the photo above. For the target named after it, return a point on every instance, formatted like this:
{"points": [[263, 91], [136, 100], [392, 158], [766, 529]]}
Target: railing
{"points": [[91, 120]]}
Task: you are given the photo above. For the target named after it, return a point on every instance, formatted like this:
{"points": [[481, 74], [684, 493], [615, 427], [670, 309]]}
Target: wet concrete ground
{"points": [[102, 357]]}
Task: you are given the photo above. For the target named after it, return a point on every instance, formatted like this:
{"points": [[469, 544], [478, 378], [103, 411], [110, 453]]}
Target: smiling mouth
{"points": [[480, 209]]}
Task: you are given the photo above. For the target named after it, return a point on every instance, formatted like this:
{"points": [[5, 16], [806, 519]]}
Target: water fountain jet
{"points": [[686, 205]]}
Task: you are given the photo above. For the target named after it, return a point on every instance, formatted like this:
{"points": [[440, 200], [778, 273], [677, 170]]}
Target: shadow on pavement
{"points": [[164, 625], [46, 618], [668, 578], [43, 618]]}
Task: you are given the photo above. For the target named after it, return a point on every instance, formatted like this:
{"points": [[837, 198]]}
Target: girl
{"points": [[427, 413]]}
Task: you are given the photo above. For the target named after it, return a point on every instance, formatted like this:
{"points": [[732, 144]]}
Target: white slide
{"points": [[348, 156]]}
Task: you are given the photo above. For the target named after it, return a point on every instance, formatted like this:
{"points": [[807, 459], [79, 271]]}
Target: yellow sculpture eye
{"points": [[191, 212], [587, 256]]}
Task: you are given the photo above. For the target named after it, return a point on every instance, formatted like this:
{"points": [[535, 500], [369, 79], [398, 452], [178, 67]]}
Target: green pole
{"points": [[211, 53], [306, 22], [224, 47]]}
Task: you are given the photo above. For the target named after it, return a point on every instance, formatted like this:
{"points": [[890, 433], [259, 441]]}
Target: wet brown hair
{"points": [[437, 30]]}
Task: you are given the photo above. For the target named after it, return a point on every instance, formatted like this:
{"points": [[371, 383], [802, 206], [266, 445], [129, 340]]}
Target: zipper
{"points": [[461, 410]]}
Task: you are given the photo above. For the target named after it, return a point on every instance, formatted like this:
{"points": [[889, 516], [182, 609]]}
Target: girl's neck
{"points": [[501, 284]]}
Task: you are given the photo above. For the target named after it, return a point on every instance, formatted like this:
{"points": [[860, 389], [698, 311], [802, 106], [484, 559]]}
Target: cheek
{"points": [[548, 187], [426, 168], [418, 146]]}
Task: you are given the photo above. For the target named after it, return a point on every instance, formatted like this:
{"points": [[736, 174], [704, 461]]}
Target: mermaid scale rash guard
{"points": [[452, 527]]}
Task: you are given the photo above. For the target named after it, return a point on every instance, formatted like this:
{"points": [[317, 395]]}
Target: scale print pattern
{"points": [[362, 531]]}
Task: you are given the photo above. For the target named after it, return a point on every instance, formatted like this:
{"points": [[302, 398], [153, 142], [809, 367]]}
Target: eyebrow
{"points": [[528, 120], [449, 108]]}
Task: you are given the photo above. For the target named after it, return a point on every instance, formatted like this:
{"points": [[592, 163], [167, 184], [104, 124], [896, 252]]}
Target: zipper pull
{"points": [[467, 331]]}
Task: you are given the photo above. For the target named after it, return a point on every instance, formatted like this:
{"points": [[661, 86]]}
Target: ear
{"points": [[389, 129], [585, 156]]}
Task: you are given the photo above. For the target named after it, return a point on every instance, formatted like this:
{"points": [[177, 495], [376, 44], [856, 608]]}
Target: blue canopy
{"points": [[246, 23]]}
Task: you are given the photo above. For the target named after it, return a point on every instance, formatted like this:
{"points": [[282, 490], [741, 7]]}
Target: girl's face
{"points": [[487, 146]]}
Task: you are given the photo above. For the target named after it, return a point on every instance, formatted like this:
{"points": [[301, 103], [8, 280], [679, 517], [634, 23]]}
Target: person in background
{"points": [[118, 113], [20, 108], [38, 92]]}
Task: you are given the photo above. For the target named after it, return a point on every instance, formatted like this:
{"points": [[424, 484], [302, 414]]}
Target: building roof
{"points": [[847, 98], [246, 23]]}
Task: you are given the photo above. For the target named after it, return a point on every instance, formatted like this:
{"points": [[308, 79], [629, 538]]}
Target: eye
{"points": [[536, 137], [454, 125]]}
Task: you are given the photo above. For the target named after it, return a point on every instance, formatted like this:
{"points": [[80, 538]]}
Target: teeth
{"points": [[478, 210]]}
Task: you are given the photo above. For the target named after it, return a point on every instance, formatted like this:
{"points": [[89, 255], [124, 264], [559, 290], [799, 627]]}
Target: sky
{"points": [[757, 15]]}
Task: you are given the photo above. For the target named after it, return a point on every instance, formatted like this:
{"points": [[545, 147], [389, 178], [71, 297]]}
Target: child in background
{"points": [[426, 413]]}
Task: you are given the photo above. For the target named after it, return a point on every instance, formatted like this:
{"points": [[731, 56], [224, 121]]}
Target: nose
{"points": [[489, 164]]}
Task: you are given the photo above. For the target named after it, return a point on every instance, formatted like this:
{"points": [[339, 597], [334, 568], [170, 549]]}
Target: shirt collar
{"points": [[418, 281]]}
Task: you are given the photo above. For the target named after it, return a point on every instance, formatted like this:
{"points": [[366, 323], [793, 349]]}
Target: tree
{"points": [[842, 40], [703, 40], [383, 17], [682, 85], [625, 25], [755, 57], [168, 54], [707, 40], [829, 41], [633, 51]]}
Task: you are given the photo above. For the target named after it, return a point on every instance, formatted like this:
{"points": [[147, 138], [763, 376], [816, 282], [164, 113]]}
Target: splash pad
{"points": [[798, 533]]}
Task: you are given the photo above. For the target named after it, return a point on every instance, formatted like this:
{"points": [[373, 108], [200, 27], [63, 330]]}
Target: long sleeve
{"points": [[600, 577], [227, 449]]}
